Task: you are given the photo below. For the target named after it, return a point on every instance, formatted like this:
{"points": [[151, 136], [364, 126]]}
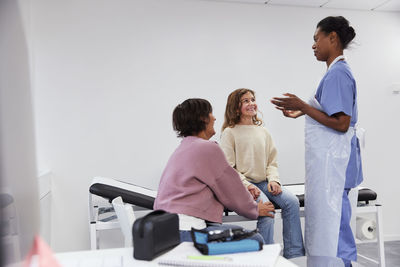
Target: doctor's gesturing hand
{"points": [[293, 107], [290, 105]]}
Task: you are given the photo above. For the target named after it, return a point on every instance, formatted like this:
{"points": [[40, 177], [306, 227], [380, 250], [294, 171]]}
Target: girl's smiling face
{"points": [[248, 105]]}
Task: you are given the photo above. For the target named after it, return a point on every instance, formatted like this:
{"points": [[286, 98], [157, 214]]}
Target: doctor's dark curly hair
{"points": [[341, 26], [191, 117]]}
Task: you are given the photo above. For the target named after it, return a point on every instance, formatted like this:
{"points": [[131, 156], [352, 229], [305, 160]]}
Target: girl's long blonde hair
{"points": [[233, 106]]}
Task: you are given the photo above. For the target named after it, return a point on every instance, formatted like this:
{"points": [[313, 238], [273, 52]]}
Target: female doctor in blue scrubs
{"points": [[333, 163]]}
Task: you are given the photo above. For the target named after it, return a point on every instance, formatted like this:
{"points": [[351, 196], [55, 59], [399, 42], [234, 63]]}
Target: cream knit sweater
{"points": [[250, 150]]}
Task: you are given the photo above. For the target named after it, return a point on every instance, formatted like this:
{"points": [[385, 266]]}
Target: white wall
{"points": [[19, 210], [109, 73]]}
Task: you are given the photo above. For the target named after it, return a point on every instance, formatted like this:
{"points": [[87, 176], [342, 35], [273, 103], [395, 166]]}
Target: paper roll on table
{"points": [[365, 229]]}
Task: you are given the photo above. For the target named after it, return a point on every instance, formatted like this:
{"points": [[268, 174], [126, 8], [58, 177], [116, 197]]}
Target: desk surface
{"points": [[119, 257]]}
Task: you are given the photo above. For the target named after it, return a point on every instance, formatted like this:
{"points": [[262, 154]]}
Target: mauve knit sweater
{"points": [[198, 181]]}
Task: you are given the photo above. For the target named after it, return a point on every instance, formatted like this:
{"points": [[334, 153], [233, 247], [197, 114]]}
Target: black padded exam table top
{"points": [[142, 200]]}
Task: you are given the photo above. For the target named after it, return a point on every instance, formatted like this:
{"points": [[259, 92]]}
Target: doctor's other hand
{"points": [[254, 191], [291, 113], [265, 209], [274, 188]]}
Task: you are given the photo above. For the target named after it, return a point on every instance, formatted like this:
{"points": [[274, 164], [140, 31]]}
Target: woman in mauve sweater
{"points": [[198, 182]]}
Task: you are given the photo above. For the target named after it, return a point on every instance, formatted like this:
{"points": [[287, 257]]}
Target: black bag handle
{"points": [[143, 220]]}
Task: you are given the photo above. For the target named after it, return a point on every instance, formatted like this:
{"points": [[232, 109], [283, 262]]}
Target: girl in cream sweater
{"points": [[249, 149]]}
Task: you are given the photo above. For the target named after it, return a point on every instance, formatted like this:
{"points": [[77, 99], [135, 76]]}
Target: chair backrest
{"points": [[126, 218]]}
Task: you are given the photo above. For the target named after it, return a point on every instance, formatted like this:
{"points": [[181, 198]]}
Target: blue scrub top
{"points": [[336, 93]]}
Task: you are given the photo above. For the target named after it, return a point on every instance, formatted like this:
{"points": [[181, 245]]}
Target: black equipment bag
{"points": [[154, 234]]}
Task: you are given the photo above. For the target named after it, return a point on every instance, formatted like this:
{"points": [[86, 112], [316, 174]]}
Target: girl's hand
{"points": [[274, 188]]}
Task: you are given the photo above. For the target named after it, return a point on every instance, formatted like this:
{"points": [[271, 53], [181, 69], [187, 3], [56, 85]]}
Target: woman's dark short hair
{"points": [[341, 26], [190, 117]]}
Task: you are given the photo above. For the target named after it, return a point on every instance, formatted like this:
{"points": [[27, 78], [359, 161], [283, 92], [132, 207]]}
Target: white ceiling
{"points": [[373, 5]]}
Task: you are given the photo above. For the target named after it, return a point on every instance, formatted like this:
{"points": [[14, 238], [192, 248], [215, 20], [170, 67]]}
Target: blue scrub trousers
{"points": [[347, 249]]}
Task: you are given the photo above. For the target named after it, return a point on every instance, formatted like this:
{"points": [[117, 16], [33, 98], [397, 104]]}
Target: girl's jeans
{"points": [[292, 234]]}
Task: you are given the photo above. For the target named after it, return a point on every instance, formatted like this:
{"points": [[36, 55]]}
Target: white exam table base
{"points": [[377, 210], [101, 206]]}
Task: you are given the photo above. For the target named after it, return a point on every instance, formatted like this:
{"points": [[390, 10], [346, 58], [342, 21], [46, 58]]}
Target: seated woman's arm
{"points": [[228, 188]]}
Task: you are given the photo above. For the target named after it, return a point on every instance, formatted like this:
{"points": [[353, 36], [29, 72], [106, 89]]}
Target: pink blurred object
{"points": [[44, 252]]}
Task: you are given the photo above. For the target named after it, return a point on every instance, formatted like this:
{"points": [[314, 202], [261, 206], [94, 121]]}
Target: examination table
{"points": [[103, 190]]}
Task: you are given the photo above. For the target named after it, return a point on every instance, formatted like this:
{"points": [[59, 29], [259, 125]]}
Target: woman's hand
{"points": [[266, 209], [274, 188], [254, 191]]}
